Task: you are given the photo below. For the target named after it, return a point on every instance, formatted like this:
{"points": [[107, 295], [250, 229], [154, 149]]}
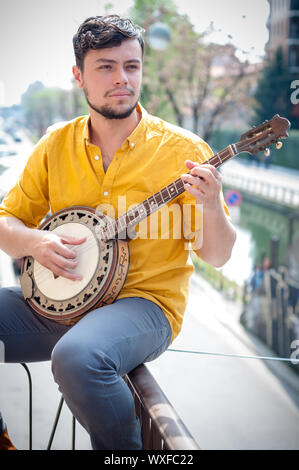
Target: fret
{"points": [[214, 160], [172, 190], [168, 193], [147, 206], [110, 230], [130, 216], [139, 213], [152, 202], [220, 157], [165, 194], [136, 212], [179, 184], [142, 210], [158, 198], [227, 155]]}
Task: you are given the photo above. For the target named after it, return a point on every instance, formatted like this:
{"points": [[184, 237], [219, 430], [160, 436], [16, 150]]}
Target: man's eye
{"points": [[105, 67]]}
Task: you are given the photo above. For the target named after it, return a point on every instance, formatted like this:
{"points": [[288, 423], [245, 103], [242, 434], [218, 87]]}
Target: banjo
{"points": [[103, 260]]}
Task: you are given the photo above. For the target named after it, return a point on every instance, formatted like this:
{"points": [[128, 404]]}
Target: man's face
{"points": [[111, 79]]}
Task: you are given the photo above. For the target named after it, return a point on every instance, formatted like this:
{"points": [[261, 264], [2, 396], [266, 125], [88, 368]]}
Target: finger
{"points": [[66, 251], [194, 180], [213, 170], [202, 166], [207, 173], [60, 272], [197, 193], [72, 240], [62, 250], [63, 262], [190, 164]]}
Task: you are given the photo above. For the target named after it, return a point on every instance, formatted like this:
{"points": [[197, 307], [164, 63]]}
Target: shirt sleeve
{"points": [[28, 200], [192, 212]]}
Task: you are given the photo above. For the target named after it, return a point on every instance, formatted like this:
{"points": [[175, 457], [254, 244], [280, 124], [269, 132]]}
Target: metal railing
{"points": [[278, 193], [272, 312], [162, 428]]}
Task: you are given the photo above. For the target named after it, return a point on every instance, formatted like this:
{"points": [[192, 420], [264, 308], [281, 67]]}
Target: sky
{"points": [[36, 35]]}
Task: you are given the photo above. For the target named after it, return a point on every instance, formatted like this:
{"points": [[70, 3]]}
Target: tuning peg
{"points": [[278, 145], [267, 152]]}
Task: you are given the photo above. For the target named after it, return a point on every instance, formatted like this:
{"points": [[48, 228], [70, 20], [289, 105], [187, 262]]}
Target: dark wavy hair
{"points": [[98, 32]]}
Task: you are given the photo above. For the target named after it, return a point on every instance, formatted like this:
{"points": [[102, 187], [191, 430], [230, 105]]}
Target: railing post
{"points": [[274, 248]]}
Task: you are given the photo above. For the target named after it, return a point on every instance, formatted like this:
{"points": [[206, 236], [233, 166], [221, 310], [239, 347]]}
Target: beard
{"points": [[108, 112]]}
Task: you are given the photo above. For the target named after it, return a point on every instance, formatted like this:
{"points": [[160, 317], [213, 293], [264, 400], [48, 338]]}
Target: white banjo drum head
{"points": [[61, 288]]}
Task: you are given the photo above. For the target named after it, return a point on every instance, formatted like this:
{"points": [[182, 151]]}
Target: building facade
{"points": [[283, 26]]}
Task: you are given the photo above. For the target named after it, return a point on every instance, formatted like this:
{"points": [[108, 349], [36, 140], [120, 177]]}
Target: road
{"points": [[226, 402]]}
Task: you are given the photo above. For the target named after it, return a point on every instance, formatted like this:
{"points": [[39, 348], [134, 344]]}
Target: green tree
{"points": [[44, 106], [180, 83]]}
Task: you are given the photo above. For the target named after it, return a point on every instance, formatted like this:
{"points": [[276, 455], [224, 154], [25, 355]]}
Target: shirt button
{"points": [[105, 193], [97, 157], [132, 145]]}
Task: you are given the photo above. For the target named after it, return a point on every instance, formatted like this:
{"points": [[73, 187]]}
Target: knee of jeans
{"points": [[68, 361], [73, 362]]}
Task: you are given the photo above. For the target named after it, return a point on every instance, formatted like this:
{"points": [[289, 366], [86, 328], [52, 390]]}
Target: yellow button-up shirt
{"points": [[65, 169]]}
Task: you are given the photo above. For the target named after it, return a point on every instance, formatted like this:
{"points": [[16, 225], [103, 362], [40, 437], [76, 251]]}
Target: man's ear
{"points": [[77, 73]]}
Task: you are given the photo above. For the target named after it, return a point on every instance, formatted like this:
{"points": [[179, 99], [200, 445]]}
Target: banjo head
{"points": [[103, 266]]}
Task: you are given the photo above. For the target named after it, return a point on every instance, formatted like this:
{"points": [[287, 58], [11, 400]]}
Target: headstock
{"points": [[259, 138]]}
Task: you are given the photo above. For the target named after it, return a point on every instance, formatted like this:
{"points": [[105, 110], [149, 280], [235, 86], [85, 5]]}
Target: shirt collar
{"points": [[136, 134]]}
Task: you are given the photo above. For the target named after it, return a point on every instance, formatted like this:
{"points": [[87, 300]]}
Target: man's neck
{"points": [[111, 132]]}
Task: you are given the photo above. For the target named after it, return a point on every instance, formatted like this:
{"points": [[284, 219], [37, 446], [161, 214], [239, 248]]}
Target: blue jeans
{"points": [[90, 358]]}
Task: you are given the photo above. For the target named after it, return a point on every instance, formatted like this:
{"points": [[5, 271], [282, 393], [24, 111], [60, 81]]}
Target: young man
{"points": [[118, 150]]}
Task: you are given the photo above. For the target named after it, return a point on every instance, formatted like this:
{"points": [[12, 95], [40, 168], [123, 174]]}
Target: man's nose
{"points": [[120, 77]]}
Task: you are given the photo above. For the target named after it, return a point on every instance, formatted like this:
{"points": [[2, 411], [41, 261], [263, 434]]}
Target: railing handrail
{"points": [[161, 416]]}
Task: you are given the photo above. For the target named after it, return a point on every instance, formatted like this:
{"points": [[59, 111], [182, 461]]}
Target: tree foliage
{"points": [[44, 106], [191, 78]]}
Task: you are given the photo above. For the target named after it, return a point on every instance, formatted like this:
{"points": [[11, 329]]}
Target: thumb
{"points": [[189, 164]]}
